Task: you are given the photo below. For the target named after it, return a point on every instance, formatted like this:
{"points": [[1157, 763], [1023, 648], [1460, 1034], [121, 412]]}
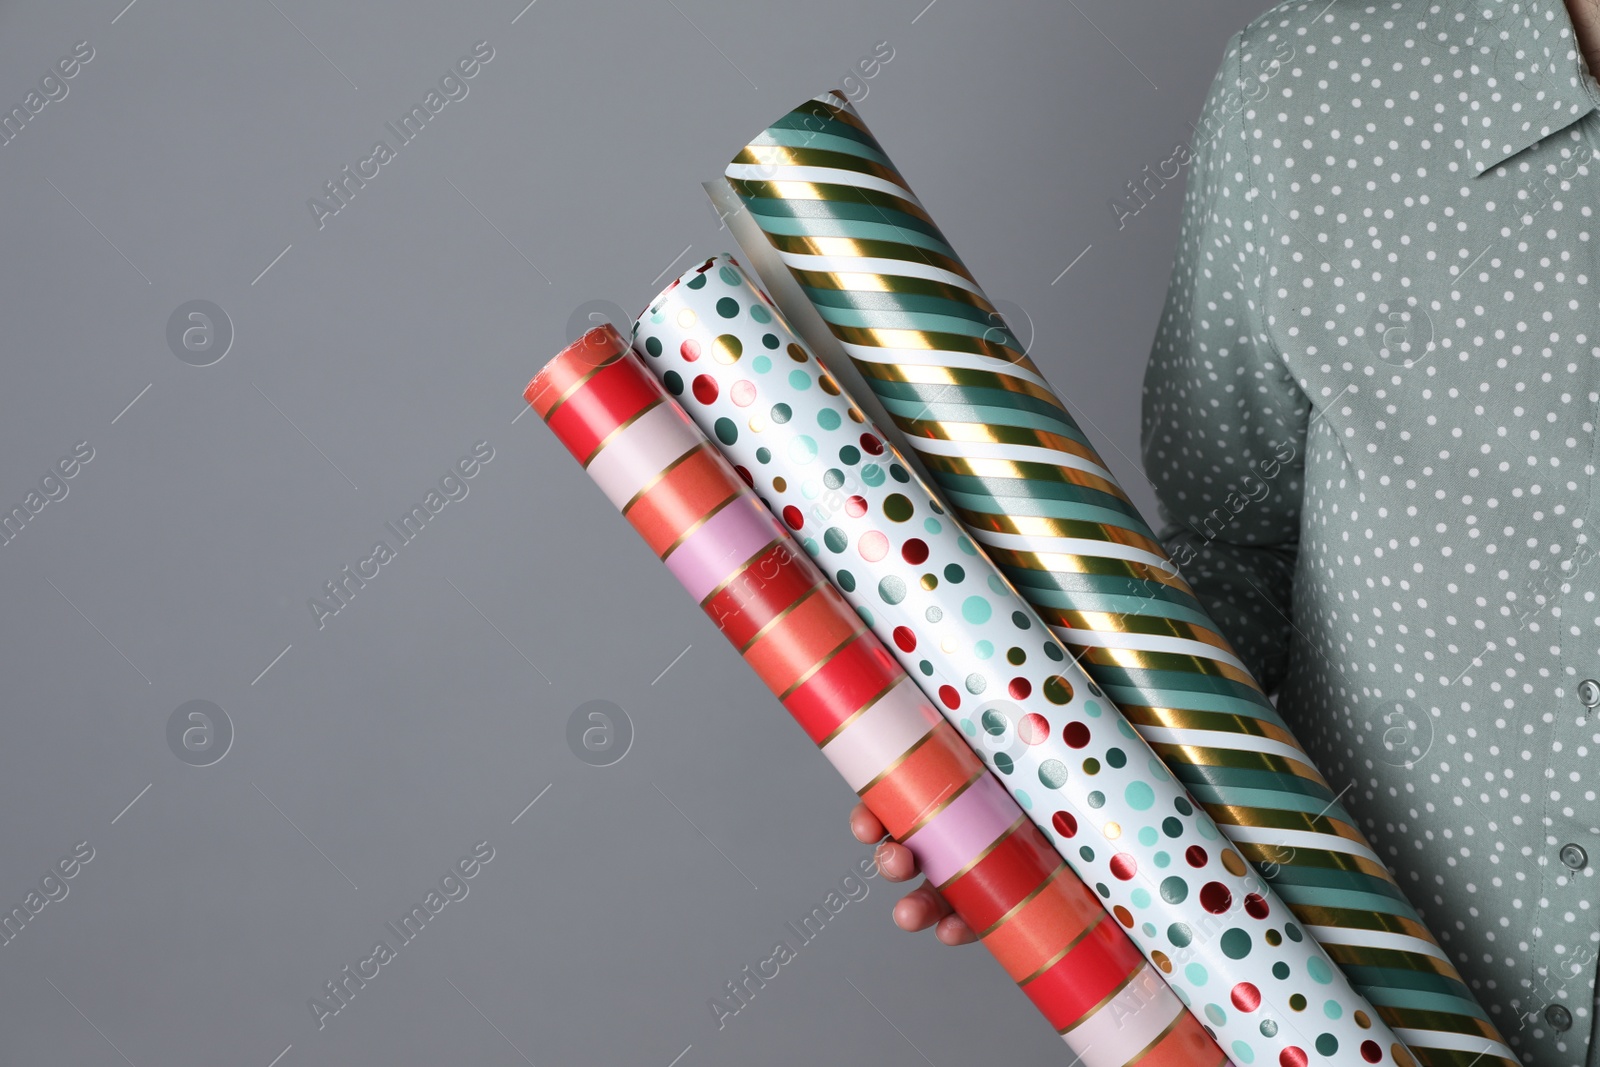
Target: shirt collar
{"points": [[1527, 78]]}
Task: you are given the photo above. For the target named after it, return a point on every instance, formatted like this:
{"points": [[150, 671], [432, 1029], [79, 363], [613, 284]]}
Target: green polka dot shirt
{"points": [[1369, 417]]}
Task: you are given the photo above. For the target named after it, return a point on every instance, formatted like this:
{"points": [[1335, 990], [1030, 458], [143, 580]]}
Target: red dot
{"points": [[1255, 905], [1123, 866], [1020, 688], [751, 482], [1033, 729], [1371, 1052], [1246, 997], [1293, 1056], [1215, 898], [871, 445], [855, 507], [905, 639], [1195, 855], [948, 694], [792, 516], [914, 551], [690, 350], [1065, 824], [1075, 734], [705, 388]]}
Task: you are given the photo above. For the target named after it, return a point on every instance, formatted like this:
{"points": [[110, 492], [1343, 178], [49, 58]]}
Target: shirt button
{"points": [[1558, 1017], [1589, 692], [1574, 856]]}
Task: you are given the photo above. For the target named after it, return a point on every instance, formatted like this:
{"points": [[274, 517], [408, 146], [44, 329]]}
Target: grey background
{"points": [[428, 713]]}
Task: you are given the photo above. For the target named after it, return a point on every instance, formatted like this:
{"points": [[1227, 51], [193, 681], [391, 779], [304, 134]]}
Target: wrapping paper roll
{"points": [[851, 698], [840, 222], [1231, 949]]}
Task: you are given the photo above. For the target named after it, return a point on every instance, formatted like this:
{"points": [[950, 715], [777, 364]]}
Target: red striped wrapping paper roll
{"points": [[908, 765]]}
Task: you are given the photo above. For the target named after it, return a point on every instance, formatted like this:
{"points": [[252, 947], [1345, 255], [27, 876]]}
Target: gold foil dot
{"points": [[796, 353], [856, 416], [687, 319], [929, 582], [1273, 938], [1124, 916], [1233, 861], [1113, 831], [829, 386], [780, 485], [1161, 960], [1363, 1020], [1401, 1055]]}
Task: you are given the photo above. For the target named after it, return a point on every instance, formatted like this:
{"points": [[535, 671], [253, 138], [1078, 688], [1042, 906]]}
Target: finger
{"points": [[865, 825], [920, 909], [953, 930], [896, 862]]}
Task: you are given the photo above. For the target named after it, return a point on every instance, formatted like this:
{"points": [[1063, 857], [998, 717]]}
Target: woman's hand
{"points": [[923, 906]]}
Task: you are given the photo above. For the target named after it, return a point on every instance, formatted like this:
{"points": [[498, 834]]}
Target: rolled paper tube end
{"points": [[571, 366]]}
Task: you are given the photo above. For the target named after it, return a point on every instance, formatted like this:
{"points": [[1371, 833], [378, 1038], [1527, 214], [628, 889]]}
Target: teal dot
{"points": [[1140, 797], [770, 340], [983, 649], [1269, 1028], [763, 454], [1174, 890], [1280, 970], [969, 728], [781, 413], [1243, 1053], [761, 364], [1180, 935], [1157, 769], [1149, 929], [953, 573], [1183, 806], [1023, 799], [760, 314], [836, 539], [1117, 758], [1096, 799], [976, 683], [1172, 826], [1087, 854], [1162, 859], [898, 473], [849, 455], [727, 431], [872, 474], [995, 723], [697, 282], [729, 275], [652, 345], [926, 668], [1053, 774], [1292, 932], [1053, 650], [1102, 889], [1332, 1009], [932, 526], [833, 477], [674, 382], [1019, 619], [1140, 898], [1148, 836], [1003, 763], [810, 545], [892, 590], [727, 307], [1327, 1044], [1196, 974], [967, 547], [976, 610], [1216, 1014], [802, 449], [828, 419], [1091, 709], [799, 381], [1319, 971], [1235, 944]]}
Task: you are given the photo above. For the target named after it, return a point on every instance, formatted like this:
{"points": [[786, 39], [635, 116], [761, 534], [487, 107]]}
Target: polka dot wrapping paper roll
{"points": [[1085, 778], [872, 722], [838, 234]]}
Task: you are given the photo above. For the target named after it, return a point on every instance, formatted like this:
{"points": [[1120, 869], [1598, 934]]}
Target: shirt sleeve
{"points": [[1224, 424]]}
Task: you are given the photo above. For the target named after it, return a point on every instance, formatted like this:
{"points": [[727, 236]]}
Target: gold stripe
{"points": [[1206, 756], [894, 764], [767, 626], [980, 857], [1025, 901], [581, 382], [1059, 956], [821, 663], [730, 579], [863, 282], [774, 155], [962, 378], [862, 248], [694, 527], [655, 479], [1107, 999], [1141, 660], [939, 808], [1358, 919], [862, 710], [1094, 565], [979, 467], [1342, 861], [1210, 721], [635, 417], [1045, 526]]}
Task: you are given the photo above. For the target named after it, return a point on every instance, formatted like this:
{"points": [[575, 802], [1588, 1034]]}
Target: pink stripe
{"points": [[712, 552], [900, 719], [638, 453], [969, 825]]}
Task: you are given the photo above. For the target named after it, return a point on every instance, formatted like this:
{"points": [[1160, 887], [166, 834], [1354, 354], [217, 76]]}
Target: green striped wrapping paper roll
{"points": [[837, 218]]}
